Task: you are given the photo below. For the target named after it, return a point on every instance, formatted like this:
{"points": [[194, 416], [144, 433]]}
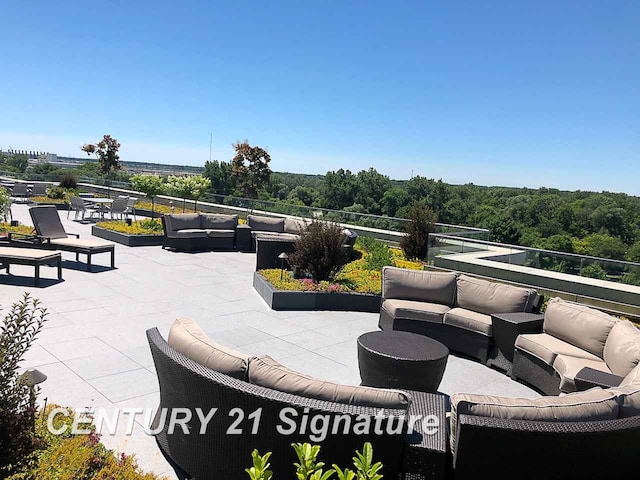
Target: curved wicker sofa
{"points": [[187, 383]]}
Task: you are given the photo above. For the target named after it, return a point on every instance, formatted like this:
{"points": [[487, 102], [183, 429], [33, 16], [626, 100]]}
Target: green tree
{"points": [[250, 168], [221, 176], [14, 162], [149, 184], [633, 255], [106, 151], [602, 245], [594, 270], [394, 199], [190, 187], [338, 189], [422, 222], [304, 195], [370, 189]]}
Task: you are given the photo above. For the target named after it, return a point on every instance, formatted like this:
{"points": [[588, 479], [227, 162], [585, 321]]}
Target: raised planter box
{"points": [[59, 206], [143, 212], [293, 300], [128, 240]]}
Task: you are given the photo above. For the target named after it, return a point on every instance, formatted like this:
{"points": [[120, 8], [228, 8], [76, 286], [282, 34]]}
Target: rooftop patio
{"points": [[94, 350]]}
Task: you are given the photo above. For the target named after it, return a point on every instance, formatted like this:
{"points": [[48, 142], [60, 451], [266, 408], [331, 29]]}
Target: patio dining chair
{"points": [[19, 190], [118, 207], [131, 207], [39, 189], [80, 208]]}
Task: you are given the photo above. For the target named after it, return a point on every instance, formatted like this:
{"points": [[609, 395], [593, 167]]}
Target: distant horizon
{"points": [[528, 94]]}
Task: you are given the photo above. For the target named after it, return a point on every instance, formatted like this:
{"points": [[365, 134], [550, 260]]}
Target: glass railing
{"points": [[445, 248]]}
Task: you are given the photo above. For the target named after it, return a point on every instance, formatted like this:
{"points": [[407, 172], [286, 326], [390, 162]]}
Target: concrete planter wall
{"points": [[148, 213], [291, 300], [128, 240], [59, 206]]}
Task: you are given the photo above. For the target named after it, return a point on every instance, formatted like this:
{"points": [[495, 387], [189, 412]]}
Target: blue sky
{"points": [[525, 93]]}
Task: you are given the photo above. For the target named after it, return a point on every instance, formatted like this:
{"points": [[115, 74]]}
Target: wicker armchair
{"points": [[217, 454]]}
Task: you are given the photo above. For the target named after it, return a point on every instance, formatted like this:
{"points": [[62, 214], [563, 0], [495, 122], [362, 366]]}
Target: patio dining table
{"points": [[102, 204]]}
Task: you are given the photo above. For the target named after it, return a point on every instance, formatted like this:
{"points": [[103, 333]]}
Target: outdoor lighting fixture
{"points": [[31, 378], [128, 221], [283, 256]]}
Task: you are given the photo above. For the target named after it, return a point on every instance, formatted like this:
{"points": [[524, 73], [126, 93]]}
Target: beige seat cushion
{"points": [[270, 374], [594, 404], [32, 253], [219, 233], [188, 233], [427, 312], [181, 221], [469, 320], [567, 367], [210, 221], [490, 297], [632, 378], [629, 397], [419, 285], [89, 243], [279, 236], [622, 348], [546, 347], [187, 337], [581, 326], [265, 224]]}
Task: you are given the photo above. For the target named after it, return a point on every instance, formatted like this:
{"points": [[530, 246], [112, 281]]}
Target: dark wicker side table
{"points": [[506, 328], [243, 237], [403, 360]]}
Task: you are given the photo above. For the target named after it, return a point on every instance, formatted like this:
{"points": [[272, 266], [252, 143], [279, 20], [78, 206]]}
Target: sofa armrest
{"points": [[588, 378]]}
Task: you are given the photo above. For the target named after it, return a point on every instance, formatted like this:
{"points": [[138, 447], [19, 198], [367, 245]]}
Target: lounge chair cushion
{"points": [[410, 309], [581, 326], [188, 233], [210, 221], [469, 320], [591, 405], [86, 243], [546, 347], [629, 397], [182, 221], [491, 297], [273, 375], [280, 236], [215, 233], [419, 285], [567, 367], [295, 225], [622, 348], [633, 378], [265, 224], [188, 338]]}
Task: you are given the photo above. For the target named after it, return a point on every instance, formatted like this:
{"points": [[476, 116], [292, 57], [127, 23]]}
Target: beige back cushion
{"points": [[622, 348], [629, 398], [581, 326], [266, 372], [632, 378], [490, 297], [265, 224], [594, 404], [218, 221], [188, 338], [419, 285], [295, 225]]}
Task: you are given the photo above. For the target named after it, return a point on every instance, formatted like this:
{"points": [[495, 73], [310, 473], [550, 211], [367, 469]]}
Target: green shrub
{"points": [[320, 250], [309, 468], [379, 254], [594, 270], [18, 332], [57, 193], [69, 181], [422, 220]]}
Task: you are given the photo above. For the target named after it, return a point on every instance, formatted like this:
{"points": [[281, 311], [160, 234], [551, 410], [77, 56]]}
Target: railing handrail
{"points": [[540, 250]]}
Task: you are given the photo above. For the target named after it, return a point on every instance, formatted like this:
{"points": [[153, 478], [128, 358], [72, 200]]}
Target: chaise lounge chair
{"points": [[51, 234]]}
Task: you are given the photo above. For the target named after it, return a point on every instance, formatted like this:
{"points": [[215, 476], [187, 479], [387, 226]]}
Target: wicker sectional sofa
{"points": [[199, 231], [195, 372], [576, 340], [451, 308]]}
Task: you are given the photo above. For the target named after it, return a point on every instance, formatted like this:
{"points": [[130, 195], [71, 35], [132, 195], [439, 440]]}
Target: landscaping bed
{"points": [[357, 287], [142, 233]]}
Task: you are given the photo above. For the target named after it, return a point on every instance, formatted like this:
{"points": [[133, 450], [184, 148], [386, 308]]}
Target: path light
{"points": [[31, 378], [283, 256]]}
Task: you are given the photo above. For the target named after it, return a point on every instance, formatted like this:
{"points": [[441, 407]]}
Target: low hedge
{"points": [[139, 227]]}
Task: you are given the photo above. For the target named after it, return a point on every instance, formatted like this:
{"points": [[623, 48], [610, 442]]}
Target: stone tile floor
{"points": [[93, 347]]}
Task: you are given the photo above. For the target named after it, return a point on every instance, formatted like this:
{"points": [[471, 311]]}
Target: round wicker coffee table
{"points": [[392, 359]]}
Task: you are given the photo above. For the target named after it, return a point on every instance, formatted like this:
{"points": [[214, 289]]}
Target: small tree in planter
{"points": [[320, 250], [17, 333], [149, 184], [106, 151], [422, 221], [193, 188]]}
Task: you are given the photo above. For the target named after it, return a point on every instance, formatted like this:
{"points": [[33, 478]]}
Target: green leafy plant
{"points": [[250, 168], [5, 205], [149, 184], [106, 151], [309, 468], [19, 329], [190, 187], [57, 193], [422, 220], [260, 469], [379, 254], [320, 250]]}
